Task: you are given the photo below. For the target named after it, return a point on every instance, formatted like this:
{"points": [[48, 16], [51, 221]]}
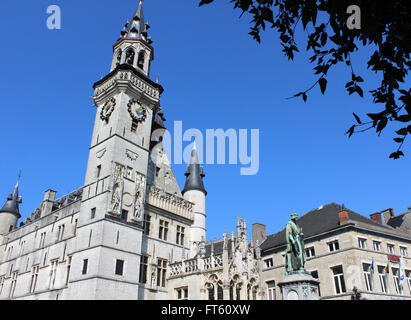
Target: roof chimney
{"points": [[376, 217], [259, 233], [343, 216]]}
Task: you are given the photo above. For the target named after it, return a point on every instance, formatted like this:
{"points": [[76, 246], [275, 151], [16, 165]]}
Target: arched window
{"points": [[119, 54], [220, 292], [141, 59], [130, 54], [211, 292]]}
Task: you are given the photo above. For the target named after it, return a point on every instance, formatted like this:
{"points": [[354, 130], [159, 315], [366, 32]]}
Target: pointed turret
{"points": [[10, 213], [194, 174], [195, 192]]}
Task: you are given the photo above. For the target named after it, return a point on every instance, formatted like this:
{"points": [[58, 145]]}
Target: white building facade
{"points": [[116, 236]]}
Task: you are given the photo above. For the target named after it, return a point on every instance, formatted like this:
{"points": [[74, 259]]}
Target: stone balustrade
{"points": [[170, 202], [200, 264]]}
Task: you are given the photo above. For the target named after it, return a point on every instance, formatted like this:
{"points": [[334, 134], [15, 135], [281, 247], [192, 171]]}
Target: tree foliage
{"points": [[385, 26]]}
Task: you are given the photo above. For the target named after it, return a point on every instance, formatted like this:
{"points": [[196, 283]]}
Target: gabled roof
{"points": [[325, 219]]}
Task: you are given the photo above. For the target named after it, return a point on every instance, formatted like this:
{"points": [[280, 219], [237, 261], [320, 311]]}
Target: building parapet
{"points": [[170, 202], [199, 264]]}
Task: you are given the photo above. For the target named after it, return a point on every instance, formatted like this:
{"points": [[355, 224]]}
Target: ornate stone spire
{"points": [[194, 174], [13, 201], [137, 27]]}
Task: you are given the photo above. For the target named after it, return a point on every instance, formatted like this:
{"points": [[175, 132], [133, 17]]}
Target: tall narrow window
{"points": [[180, 235], [141, 59], [211, 292], [60, 232], [390, 248], [339, 279], [396, 278], [271, 290], [69, 258], [1, 284], [403, 251], [269, 263], [53, 272], [163, 230], [93, 213], [85, 266], [98, 173], [130, 54], [118, 59], [367, 276], [382, 274], [89, 238], [143, 269], [161, 272], [146, 224], [408, 277], [220, 293], [42, 239], [119, 267], [13, 284]]}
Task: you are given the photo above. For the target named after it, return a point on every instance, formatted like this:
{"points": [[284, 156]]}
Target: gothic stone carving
{"points": [[139, 196], [118, 187]]}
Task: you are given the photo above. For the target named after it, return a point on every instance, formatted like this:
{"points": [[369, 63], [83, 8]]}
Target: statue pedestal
{"points": [[299, 286]]}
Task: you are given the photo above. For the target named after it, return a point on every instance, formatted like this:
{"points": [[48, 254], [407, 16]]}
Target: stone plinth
{"points": [[299, 286]]}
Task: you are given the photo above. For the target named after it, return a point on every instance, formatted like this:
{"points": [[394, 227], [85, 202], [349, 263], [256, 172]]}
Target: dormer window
{"points": [[130, 56]]}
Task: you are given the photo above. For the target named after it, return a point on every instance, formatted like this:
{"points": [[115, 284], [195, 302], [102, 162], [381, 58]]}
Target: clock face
{"points": [[107, 109], [137, 111]]}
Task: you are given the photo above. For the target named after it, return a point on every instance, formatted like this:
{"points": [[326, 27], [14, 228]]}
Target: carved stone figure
{"points": [[117, 193], [139, 197], [130, 57], [295, 254]]}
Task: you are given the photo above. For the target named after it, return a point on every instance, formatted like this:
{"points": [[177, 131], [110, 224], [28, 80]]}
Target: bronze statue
{"points": [[295, 254]]}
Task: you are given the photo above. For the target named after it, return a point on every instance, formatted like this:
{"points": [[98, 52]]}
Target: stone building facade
{"points": [[344, 251]]}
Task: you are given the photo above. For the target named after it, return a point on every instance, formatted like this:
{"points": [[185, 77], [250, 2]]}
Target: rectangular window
{"points": [[362, 243], [338, 276], [93, 213], [390, 248], [53, 271], [396, 278], [161, 272], [60, 232], [367, 276], [134, 125], [163, 230], [85, 266], [124, 215], [271, 290], [143, 269], [42, 239], [403, 251], [98, 173], [182, 293], [269, 263], [147, 224], [310, 252], [333, 246], [377, 245], [180, 235], [408, 278], [382, 274], [119, 267]]}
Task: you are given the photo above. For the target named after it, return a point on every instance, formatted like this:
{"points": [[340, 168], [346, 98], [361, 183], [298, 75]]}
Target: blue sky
{"points": [[215, 76]]}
